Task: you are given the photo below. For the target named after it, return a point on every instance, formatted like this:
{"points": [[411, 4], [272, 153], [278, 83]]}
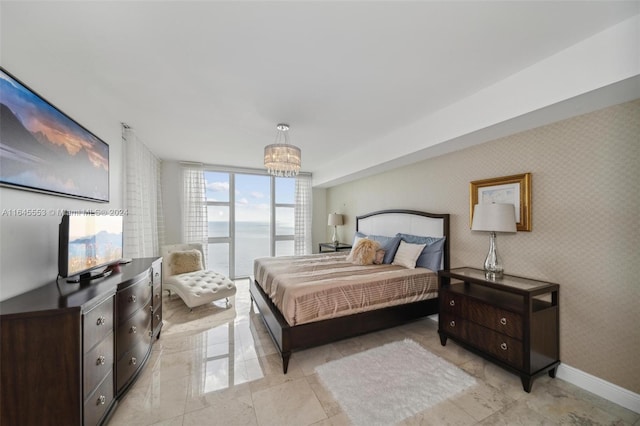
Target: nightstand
{"points": [[511, 321], [327, 247]]}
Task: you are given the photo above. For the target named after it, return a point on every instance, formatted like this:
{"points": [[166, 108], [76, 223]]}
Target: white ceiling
{"points": [[208, 81]]}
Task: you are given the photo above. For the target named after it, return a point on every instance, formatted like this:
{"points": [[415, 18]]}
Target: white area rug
{"points": [[385, 385]]}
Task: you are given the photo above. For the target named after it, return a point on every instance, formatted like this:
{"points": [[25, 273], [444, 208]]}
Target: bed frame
{"points": [[385, 222]]}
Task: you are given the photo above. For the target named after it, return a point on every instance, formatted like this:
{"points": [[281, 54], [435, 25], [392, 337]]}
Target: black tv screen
{"points": [[88, 242]]}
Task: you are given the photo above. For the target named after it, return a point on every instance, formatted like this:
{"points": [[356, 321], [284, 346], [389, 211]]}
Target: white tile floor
{"points": [[217, 366]]}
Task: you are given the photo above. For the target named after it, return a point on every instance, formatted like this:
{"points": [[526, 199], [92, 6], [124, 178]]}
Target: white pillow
{"points": [[408, 254]]}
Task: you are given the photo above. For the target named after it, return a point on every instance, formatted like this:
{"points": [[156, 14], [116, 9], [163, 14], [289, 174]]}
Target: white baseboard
{"points": [[602, 388]]}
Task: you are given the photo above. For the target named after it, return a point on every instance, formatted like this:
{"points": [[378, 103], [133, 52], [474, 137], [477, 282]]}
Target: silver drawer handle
{"points": [[452, 303], [101, 321], [503, 321], [100, 360], [133, 329], [158, 317], [503, 346], [452, 323], [133, 361], [132, 298], [101, 400]]}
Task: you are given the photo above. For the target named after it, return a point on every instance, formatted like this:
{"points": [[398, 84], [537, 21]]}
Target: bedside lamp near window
{"points": [[335, 220], [494, 218]]}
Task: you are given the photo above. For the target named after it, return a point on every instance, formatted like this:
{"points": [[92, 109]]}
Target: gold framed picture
{"points": [[514, 190]]}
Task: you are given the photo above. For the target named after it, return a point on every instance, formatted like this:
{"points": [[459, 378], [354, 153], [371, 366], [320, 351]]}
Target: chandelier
{"points": [[280, 158]]}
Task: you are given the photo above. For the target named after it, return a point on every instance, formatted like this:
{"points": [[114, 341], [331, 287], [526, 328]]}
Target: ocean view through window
{"points": [[249, 216]]}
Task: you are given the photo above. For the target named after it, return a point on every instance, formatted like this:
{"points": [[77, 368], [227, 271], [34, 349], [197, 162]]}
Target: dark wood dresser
{"points": [[70, 351], [511, 321]]}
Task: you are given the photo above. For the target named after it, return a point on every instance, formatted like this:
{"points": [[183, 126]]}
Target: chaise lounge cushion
{"points": [[200, 287], [195, 284]]}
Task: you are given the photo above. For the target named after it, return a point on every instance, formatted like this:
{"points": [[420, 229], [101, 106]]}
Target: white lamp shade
{"points": [[494, 217], [335, 219]]}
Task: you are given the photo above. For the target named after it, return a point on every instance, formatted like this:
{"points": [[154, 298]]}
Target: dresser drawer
{"points": [[97, 323], [156, 319], [157, 296], [134, 330], [130, 362], [98, 402], [97, 364], [499, 345], [133, 298], [453, 303], [503, 321], [156, 268]]}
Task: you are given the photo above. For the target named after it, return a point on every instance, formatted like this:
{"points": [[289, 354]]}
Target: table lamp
{"points": [[494, 218], [335, 220]]}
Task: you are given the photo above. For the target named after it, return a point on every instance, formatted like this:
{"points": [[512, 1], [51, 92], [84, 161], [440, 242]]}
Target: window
{"points": [[249, 216], [217, 188], [252, 221], [284, 216]]}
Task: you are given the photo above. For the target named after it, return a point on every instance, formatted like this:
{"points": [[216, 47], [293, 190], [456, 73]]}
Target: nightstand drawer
{"points": [[453, 303], [497, 319], [455, 326], [499, 345]]}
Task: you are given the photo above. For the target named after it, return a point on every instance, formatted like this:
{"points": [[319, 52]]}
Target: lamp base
{"points": [[492, 276], [334, 238], [493, 264]]}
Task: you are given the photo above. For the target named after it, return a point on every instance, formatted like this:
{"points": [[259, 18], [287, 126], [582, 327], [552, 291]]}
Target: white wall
{"points": [[29, 245]]}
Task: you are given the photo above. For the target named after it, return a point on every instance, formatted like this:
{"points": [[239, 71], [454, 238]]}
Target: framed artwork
{"points": [[44, 150], [514, 190]]}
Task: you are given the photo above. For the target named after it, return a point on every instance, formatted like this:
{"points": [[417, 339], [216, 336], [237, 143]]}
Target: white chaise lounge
{"points": [[184, 272]]}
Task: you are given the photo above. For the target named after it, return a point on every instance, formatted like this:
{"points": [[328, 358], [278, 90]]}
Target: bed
{"points": [[297, 333]]}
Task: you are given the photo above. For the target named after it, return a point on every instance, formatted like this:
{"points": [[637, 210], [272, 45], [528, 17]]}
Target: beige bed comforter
{"points": [[321, 286]]}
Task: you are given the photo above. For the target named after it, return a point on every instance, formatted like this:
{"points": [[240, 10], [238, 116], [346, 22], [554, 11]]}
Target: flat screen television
{"points": [[88, 243]]}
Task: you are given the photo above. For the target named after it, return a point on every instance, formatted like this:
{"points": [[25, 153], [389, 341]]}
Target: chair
{"points": [[198, 286]]}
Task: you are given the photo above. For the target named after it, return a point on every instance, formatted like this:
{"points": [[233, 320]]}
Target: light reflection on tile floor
{"points": [[217, 366]]}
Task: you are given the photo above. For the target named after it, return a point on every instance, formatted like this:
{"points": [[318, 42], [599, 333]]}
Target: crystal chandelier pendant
{"points": [[281, 158]]}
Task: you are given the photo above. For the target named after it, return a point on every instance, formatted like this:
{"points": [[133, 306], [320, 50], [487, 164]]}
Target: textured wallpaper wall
{"points": [[585, 224]]}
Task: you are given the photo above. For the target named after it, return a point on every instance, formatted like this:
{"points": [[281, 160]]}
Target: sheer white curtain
{"points": [[303, 213], [194, 207], [143, 223]]}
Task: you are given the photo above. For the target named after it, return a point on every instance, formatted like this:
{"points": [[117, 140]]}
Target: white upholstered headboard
{"points": [[390, 222]]}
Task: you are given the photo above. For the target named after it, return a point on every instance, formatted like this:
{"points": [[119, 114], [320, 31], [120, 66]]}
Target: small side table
{"points": [[509, 320], [327, 247]]}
